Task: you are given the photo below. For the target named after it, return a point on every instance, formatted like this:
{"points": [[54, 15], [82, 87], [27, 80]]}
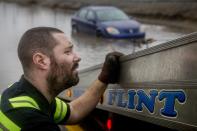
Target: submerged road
{"points": [[16, 19]]}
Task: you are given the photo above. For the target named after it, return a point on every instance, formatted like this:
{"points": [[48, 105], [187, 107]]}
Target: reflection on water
{"points": [[16, 19], [93, 49]]}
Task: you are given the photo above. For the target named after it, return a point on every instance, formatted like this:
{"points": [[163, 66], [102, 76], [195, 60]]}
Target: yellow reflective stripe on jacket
{"points": [[0, 100], [7, 124], [10, 85], [23, 101], [60, 111]]}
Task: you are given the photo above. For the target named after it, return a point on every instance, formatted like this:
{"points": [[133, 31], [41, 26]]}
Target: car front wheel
{"points": [[99, 33]]}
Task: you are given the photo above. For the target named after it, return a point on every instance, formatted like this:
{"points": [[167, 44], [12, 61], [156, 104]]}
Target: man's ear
{"points": [[41, 61]]}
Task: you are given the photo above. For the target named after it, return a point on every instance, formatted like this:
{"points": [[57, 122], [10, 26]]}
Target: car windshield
{"points": [[111, 14]]}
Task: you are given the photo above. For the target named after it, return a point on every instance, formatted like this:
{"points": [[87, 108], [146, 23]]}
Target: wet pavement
{"points": [[16, 19]]}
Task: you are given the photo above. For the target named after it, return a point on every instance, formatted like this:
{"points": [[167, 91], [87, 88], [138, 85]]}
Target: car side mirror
{"points": [[92, 20]]}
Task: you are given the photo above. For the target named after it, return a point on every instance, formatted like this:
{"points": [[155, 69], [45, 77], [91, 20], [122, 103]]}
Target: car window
{"points": [[111, 14], [82, 14], [91, 15]]}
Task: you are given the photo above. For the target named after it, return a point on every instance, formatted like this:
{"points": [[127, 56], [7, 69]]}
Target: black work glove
{"points": [[111, 68]]}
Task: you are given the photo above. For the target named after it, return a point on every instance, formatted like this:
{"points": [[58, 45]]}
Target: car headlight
{"points": [[112, 30]]}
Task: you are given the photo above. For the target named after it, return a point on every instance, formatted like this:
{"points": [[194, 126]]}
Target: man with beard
{"points": [[50, 66]]}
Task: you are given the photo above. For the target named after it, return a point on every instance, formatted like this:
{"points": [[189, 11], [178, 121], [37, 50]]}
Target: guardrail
{"points": [[157, 85]]}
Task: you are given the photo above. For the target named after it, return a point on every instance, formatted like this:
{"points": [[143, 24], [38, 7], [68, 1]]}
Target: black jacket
{"points": [[28, 118]]}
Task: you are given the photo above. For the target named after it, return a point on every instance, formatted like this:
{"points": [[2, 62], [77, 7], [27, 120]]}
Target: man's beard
{"points": [[59, 78]]}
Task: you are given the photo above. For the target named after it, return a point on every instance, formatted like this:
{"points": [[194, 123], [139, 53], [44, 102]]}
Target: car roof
{"points": [[100, 7]]}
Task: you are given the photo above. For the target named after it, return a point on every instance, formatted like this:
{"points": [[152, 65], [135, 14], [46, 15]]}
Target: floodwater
{"points": [[16, 19]]}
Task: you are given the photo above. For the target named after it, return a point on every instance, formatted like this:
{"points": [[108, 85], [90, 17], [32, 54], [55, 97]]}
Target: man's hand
{"points": [[111, 68]]}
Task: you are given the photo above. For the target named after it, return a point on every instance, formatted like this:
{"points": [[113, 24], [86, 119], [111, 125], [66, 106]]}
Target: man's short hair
{"points": [[37, 39]]}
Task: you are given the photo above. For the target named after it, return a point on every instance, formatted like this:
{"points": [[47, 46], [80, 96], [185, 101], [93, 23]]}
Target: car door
{"points": [[81, 20], [91, 22]]}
